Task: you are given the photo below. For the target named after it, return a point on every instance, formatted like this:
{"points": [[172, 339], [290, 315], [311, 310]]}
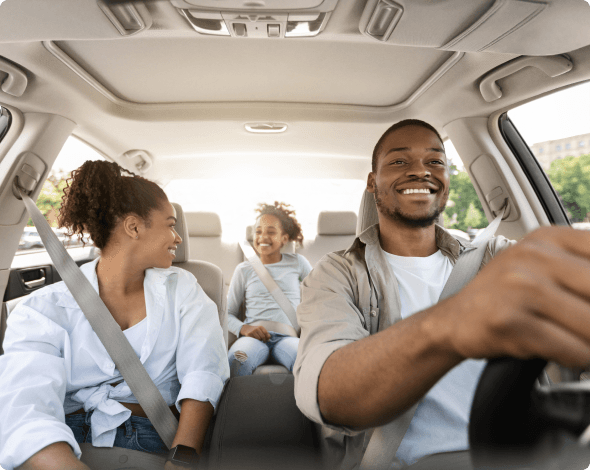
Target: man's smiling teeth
{"points": [[171, 251], [412, 191], [264, 244]]}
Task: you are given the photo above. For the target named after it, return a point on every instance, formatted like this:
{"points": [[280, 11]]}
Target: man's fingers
{"points": [[566, 309], [574, 241], [548, 340]]}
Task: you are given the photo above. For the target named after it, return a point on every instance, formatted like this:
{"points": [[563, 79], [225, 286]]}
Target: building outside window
{"points": [[558, 148]]}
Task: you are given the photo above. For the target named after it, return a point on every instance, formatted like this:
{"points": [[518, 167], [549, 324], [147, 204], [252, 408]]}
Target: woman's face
{"points": [[159, 238], [269, 236]]}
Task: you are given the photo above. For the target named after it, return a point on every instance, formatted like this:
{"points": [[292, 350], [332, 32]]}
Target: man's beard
{"points": [[407, 219]]}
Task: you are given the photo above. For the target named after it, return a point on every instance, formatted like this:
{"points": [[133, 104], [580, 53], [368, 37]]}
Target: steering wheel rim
{"points": [[514, 422]]}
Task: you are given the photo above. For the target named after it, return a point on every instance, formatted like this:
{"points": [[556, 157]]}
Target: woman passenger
{"points": [[275, 227], [59, 387]]}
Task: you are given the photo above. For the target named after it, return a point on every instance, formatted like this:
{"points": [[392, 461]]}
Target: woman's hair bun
{"points": [[98, 194]]}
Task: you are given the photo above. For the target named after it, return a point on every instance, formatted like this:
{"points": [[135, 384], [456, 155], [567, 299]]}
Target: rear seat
{"points": [[209, 276], [336, 231], [204, 239]]}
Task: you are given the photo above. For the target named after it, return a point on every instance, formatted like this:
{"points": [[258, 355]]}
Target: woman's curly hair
{"points": [[97, 196], [287, 217]]}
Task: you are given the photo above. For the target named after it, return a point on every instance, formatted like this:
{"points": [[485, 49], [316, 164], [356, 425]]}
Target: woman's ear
{"points": [[132, 226]]}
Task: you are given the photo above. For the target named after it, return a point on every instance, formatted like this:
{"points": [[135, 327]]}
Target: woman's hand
{"points": [[256, 332]]}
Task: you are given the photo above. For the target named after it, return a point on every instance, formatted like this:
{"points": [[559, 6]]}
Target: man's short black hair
{"points": [[398, 125]]}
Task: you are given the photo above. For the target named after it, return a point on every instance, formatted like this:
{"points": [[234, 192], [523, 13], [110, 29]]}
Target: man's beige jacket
{"points": [[348, 296]]}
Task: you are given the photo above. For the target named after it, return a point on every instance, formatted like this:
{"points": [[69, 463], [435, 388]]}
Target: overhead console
{"points": [[257, 18]]}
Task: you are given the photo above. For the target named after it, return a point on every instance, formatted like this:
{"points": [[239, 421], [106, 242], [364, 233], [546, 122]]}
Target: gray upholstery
{"points": [[337, 223], [203, 224], [258, 426], [206, 243], [367, 213], [208, 275], [336, 231]]}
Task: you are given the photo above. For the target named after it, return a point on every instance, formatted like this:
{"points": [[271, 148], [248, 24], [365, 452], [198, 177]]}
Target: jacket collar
{"points": [[155, 296], [447, 243]]}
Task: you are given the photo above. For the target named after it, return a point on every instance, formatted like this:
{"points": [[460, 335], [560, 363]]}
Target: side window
{"points": [[464, 214], [5, 120], [72, 155], [557, 129]]}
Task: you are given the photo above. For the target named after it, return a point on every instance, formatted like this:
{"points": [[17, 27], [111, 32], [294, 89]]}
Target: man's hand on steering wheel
{"points": [[533, 300]]}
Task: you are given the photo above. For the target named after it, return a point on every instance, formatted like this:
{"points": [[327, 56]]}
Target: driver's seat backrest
{"points": [[367, 215], [208, 275]]}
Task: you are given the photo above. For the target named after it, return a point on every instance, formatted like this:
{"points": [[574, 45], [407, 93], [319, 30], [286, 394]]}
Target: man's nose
{"points": [[418, 169]]}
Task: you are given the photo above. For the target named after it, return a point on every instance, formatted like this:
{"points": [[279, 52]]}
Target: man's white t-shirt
{"points": [[442, 417]]}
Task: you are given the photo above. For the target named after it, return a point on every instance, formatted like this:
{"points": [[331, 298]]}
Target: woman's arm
{"points": [[33, 374], [57, 456], [194, 421], [201, 362]]}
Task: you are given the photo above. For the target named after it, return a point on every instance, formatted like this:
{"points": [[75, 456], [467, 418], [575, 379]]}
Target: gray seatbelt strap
{"points": [[386, 439], [270, 284], [107, 330]]}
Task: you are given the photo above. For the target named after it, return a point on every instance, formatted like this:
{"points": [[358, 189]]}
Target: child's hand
{"points": [[257, 332]]}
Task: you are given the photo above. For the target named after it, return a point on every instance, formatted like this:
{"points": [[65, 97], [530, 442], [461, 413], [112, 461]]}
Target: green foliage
{"points": [[49, 200], [464, 209], [570, 177]]}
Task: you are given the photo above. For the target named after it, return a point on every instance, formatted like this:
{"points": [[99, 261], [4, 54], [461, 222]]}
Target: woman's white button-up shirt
{"points": [[54, 364]]}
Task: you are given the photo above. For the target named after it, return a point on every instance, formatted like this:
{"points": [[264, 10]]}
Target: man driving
{"points": [[375, 339]]}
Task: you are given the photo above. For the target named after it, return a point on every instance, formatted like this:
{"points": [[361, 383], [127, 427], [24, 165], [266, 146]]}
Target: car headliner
{"points": [[184, 97]]}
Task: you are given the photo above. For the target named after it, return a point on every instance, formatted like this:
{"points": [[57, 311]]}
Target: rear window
{"points": [[235, 200]]}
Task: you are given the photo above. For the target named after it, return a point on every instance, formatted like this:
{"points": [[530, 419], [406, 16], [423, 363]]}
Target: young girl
{"points": [[275, 226], [60, 386]]}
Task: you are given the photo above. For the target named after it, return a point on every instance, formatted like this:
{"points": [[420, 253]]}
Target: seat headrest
{"points": [[337, 223], [367, 213], [203, 224], [182, 250]]}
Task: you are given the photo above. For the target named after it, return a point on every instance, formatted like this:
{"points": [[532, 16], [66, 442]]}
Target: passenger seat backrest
{"points": [[206, 243], [209, 276], [336, 231]]}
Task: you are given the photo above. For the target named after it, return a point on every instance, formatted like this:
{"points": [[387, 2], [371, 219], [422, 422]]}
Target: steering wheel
{"points": [[515, 422]]}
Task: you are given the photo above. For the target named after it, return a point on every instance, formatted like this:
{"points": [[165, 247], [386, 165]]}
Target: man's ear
{"points": [[371, 182]]}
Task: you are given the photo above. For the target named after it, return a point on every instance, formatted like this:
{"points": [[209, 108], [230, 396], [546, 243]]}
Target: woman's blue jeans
{"points": [[136, 433], [246, 354]]}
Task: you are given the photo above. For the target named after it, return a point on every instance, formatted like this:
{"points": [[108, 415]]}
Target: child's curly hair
{"points": [[97, 195], [287, 217]]}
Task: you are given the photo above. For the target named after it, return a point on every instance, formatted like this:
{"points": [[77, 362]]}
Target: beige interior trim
{"points": [[69, 62]]}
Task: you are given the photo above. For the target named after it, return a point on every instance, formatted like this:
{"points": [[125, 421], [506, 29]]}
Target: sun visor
{"points": [[526, 27]]}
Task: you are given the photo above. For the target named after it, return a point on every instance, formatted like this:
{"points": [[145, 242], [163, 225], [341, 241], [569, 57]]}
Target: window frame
{"points": [[533, 171]]}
